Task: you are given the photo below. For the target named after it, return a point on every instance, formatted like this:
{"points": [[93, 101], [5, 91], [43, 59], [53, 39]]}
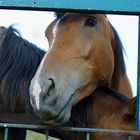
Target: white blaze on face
{"points": [[54, 31], [37, 88], [36, 93]]}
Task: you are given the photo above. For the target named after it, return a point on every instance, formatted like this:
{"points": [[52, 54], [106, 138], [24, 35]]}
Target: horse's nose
{"points": [[48, 88], [42, 92], [50, 85]]}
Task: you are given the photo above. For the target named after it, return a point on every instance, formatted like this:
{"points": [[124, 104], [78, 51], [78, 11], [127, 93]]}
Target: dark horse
{"points": [[19, 60], [85, 53]]}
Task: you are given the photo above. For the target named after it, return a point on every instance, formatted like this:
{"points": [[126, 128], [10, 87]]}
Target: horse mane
{"points": [[19, 60], [119, 63]]}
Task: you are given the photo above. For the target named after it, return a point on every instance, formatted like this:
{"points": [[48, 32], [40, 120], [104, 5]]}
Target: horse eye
{"points": [[129, 117], [91, 22]]}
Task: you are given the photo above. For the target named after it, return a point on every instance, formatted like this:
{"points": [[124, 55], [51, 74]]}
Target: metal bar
{"points": [[87, 136], [115, 6], [129, 137], [61, 128], [47, 135], [138, 83], [6, 134]]}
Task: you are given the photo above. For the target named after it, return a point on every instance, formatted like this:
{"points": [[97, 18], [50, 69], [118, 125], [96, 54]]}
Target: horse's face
{"points": [[79, 59]]}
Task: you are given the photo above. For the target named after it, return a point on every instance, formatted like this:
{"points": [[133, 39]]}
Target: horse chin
{"points": [[60, 117]]}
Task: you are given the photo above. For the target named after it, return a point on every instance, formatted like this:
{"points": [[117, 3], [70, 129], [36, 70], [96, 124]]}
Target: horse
{"points": [[85, 52], [17, 56], [105, 108], [19, 60]]}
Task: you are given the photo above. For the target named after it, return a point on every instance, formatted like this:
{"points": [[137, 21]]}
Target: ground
{"points": [[36, 136]]}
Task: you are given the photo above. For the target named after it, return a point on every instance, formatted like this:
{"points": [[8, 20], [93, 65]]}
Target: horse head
{"points": [[80, 58]]}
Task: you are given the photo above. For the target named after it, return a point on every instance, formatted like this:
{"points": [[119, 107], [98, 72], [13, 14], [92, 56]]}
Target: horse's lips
{"points": [[60, 119], [64, 114]]}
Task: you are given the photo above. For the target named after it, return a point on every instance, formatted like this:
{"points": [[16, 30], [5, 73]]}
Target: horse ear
{"points": [[129, 109], [48, 30]]}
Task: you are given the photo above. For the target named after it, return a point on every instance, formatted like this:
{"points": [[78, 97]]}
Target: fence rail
{"points": [[88, 131], [113, 6]]}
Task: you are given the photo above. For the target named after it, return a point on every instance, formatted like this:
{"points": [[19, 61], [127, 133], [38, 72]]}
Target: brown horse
{"points": [[105, 108], [19, 60], [17, 54], [85, 53]]}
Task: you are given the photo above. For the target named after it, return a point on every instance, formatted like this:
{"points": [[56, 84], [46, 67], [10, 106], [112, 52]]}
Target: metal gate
{"points": [[88, 131], [99, 6]]}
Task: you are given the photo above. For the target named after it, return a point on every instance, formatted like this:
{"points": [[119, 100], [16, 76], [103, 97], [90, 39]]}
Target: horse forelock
{"points": [[59, 14], [19, 60]]}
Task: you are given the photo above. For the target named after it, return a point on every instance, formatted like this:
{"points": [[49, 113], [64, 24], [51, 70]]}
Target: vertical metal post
{"points": [[47, 135], [129, 137], [6, 134], [138, 82], [87, 136]]}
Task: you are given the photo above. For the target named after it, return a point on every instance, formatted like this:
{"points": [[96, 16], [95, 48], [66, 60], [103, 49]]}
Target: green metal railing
{"points": [[88, 131], [107, 6], [138, 83], [102, 6]]}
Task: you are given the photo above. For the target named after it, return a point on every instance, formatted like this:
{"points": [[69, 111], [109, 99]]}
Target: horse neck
{"points": [[103, 107], [125, 90], [121, 83]]}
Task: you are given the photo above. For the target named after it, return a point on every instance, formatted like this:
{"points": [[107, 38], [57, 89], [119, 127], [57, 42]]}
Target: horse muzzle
{"points": [[51, 104]]}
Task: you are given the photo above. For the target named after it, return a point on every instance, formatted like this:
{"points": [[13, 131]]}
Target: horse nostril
{"points": [[47, 92], [51, 86]]}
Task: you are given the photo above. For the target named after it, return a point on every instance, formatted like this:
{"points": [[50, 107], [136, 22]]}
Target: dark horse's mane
{"points": [[19, 60]]}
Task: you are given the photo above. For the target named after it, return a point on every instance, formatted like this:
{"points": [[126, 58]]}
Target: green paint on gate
{"points": [[6, 134], [115, 6], [88, 136], [47, 135]]}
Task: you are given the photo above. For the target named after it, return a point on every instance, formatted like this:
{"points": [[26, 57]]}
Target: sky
{"points": [[32, 25]]}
